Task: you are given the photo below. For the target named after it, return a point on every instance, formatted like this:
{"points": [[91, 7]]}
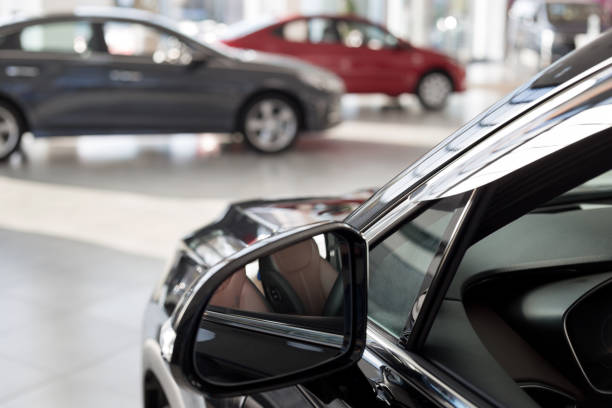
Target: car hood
{"points": [[265, 60], [246, 223]]}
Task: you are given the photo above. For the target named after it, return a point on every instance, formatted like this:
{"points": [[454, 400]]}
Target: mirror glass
{"points": [[280, 314]]}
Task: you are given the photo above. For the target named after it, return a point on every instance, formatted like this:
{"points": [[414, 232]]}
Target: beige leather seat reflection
{"points": [[311, 276], [238, 292]]}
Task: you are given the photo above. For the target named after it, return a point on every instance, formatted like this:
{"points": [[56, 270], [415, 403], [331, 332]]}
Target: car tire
{"points": [[270, 123], [11, 129], [433, 90]]}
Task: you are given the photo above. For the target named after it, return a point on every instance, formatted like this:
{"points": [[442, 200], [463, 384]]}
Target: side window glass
{"points": [[323, 30], [351, 34], [72, 37], [356, 34], [403, 265], [377, 38], [139, 40], [296, 31]]}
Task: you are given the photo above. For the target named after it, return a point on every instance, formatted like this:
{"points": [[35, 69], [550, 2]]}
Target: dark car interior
{"points": [[527, 318]]}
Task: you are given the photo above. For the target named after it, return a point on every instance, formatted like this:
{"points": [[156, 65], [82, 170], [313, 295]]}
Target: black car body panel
{"points": [[456, 367]]}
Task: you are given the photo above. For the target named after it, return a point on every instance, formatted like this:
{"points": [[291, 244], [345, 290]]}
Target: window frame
{"points": [[144, 58], [366, 25], [436, 277], [18, 32]]}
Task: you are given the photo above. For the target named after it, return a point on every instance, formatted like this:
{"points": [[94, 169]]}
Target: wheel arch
{"points": [[298, 104], [439, 70], [153, 392], [18, 109]]}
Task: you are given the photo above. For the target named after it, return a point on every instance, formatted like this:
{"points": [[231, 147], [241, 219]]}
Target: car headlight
{"points": [[323, 81], [179, 276]]}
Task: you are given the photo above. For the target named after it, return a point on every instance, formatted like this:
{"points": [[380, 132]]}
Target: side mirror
{"points": [[287, 310]]}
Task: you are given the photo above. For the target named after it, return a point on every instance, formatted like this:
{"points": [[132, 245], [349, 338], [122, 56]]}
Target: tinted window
{"points": [[403, 264], [323, 30], [359, 34], [65, 36], [296, 31], [140, 40]]}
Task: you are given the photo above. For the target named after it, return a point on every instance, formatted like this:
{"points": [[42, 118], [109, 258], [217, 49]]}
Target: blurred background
{"points": [[87, 222]]}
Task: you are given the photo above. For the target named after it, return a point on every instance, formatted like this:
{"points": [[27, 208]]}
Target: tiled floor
{"points": [[87, 223]]}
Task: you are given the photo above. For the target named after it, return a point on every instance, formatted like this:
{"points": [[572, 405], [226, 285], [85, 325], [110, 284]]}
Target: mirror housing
{"points": [[190, 332]]}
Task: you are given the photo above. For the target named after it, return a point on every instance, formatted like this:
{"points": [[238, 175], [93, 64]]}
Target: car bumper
{"points": [[154, 364], [322, 111]]}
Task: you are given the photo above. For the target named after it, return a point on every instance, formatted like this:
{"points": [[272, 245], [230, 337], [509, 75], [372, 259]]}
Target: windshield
{"points": [[603, 181], [245, 27], [571, 13]]}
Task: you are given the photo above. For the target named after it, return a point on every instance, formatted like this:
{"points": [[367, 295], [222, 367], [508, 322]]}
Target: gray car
{"points": [[125, 71]]}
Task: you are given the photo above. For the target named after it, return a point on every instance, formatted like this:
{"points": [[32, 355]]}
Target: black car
{"points": [[131, 72], [481, 276]]}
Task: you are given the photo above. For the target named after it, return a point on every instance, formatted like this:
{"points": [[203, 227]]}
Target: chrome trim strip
{"points": [[400, 211], [525, 140], [414, 372], [550, 389], [567, 337], [555, 124], [414, 177], [276, 329]]}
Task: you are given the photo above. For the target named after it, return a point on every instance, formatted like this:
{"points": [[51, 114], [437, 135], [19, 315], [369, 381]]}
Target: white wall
{"points": [[9, 7], [488, 29]]}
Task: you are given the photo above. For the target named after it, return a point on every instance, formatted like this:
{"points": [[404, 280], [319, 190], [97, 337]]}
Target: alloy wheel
{"points": [[271, 125], [434, 90], [9, 132]]}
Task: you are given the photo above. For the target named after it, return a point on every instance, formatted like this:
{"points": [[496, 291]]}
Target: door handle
{"points": [[120, 75], [21, 71]]}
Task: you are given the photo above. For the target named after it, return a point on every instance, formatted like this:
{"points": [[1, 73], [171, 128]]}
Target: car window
{"points": [[66, 37], [403, 264], [296, 31], [322, 30], [140, 40], [358, 34]]}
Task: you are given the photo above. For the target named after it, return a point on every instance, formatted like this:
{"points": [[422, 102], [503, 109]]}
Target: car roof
{"points": [[347, 16], [90, 12], [417, 182]]}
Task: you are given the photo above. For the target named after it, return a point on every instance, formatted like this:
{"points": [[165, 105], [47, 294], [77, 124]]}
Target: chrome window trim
{"points": [[549, 388], [518, 141], [411, 183], [391, 221], [276, 329], [412, 372], [520, 137], [400, 212]]}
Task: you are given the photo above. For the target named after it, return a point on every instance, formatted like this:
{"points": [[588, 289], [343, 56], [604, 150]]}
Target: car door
{"points": [[374, 60], [406, 263], [159, 83], [312, 39], [52, 71]]}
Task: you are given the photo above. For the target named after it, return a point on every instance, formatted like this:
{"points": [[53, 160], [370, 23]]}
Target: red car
{"points": [[365, 55]]}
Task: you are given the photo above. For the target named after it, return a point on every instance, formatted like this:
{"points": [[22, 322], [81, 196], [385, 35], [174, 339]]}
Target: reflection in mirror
{"points": [[280, 314]]}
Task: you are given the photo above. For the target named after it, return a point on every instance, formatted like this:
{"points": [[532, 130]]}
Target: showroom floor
{"points": [[88, 223]]}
